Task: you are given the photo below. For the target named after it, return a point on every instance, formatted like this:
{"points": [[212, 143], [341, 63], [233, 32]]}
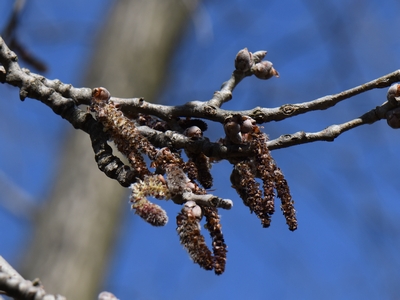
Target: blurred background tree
{"points": [[345, 191]]}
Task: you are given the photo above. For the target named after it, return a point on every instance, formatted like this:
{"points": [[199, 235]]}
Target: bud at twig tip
{"points": [[243, 60], [264, 70], [101, 94]]}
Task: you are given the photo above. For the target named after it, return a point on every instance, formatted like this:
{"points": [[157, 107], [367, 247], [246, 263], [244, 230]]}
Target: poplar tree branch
{"points": [[14, 285], [64, 100], [330, 133]]}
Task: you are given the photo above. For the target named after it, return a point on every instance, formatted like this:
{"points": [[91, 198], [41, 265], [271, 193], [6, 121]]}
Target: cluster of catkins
{"points": [[185, 183], [172, 178], [243, 130]]}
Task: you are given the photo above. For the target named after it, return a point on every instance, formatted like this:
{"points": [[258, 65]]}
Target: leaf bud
{"points": [[243, 60], [259, 56], [247, 124], [191, 208], [193, 132], [100, 94], [264, 70], [232, 130]]}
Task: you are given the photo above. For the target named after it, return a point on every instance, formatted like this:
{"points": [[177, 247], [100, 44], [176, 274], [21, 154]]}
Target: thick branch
{"points": [[64, 99], [210, 110], [34, 86]]}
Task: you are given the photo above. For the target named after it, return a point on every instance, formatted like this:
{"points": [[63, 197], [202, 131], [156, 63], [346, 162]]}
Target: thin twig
{"points": [[210, 109], [331, 132]]}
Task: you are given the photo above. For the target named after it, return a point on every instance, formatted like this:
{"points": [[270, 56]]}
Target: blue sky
{"points": [[346, 192]]}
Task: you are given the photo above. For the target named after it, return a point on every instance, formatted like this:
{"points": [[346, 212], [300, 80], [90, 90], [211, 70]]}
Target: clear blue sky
{"points": [[346, 192]]}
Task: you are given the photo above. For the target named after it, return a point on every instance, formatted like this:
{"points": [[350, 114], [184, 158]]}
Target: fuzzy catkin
{"points": [[188, 228]]}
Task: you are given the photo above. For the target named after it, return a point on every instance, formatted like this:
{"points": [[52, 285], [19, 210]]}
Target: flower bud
{"points": [[393, 92], [193, 132], [232, 130], [243, 60], [259, 56], [247, 125], [101, 94], [264, 70], [107, 296], [191, 208]]}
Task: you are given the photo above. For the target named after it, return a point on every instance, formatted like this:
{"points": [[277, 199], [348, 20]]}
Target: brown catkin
{"points": [[213, 225], [124, 134], [188, 228], [287, 205], [148, 211], [243, 180], [265, 169]]}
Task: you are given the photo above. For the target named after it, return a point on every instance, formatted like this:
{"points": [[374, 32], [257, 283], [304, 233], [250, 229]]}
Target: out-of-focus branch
{"points": [[14, 285], [12, 23], [10, 35], [7, 269], [22, 204]]}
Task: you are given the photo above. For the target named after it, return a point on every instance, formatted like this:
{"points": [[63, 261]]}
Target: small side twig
{"points": [[330, 133]]}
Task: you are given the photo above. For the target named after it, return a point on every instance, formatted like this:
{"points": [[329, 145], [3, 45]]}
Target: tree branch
{"points": [[61, 97], [64, 100], [330, 133], [14, 285], [210, 109]]}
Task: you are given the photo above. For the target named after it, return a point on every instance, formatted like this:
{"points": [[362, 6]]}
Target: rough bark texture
{"points": [[76, 230]]}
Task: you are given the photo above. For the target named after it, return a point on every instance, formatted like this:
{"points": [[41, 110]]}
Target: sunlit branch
{"points": [[63, 98], [212, 112], [290, 110], [330, 133]]}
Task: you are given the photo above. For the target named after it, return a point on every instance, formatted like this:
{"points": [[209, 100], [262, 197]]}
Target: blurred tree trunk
{"points": [[75, 233]]}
